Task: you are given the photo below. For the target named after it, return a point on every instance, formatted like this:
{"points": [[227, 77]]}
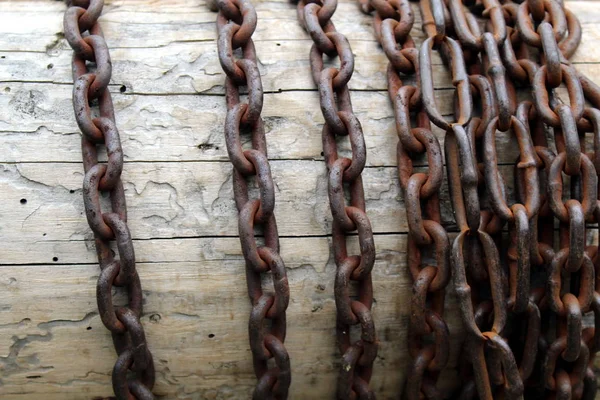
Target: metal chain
{"points": [[555, 299], [523, 303], [236, 22], [133, 373], [344, 174], [508, 347], [478, 229], [429, 340], [570, 278]]}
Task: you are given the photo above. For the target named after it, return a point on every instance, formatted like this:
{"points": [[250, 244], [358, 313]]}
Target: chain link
{"points": [[503, 290], [236, 22], [571, 270], [345, 177], [428, 341], [133, 373], [524, 288]]}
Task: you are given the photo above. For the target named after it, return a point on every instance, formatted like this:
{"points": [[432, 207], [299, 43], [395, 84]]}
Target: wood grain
{"points": [[168, 91]]}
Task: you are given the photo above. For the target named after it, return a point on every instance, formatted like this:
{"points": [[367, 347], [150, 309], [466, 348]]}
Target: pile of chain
{"points": [[236, 23], [524, 316], [133, 373], [343, 172]]}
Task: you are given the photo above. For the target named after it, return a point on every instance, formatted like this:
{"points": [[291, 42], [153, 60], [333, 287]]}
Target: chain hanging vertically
{"points": [[428, 341], [478, 230], [571, 285], [344, 174], [236, 22], [508, 346], [523, 301], [133, 373]]}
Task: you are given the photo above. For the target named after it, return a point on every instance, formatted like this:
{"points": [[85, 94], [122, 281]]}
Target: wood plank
{"points": [[190, 65], [37, 124], [193, 67], [58, 346], [189, 68], [189, 200], [126, 23], [181, 128], [179, 199]]}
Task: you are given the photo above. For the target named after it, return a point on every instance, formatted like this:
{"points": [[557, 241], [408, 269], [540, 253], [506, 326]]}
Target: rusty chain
{"points": [[236, 22], [524, 289], [519, 285], [428, 341], [478, 228], [567, 351], [344, 176], [133, 373]]}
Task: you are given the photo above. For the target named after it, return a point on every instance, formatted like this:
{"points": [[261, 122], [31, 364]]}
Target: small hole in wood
{"points": [[322, 154], [55, 259], [155, 318], [122, 89], [206, 146], [211, 335], [71, 191], [23, 201], [89, 328], [50, 66]]}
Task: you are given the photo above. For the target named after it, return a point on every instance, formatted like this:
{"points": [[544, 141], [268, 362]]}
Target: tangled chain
{"points": [[236, 23], [510, 353], [133, 373]]}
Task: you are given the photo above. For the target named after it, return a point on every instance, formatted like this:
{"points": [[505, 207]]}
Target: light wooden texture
{"points": [[170, 109]]}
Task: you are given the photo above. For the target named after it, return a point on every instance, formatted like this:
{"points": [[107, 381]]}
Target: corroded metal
{"points": [[133, 374], [523, 271], [504, 291], [236, 22], [428, 341], [345, 177]]}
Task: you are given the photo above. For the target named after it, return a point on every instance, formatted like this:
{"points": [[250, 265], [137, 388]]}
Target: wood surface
{"points": [[167, 87]]}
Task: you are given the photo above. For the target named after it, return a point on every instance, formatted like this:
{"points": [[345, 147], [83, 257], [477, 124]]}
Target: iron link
{"points": [[523, 292], [236, 23], [133, 374], [501, 51], [345, 175], [555, 32], [421, 200]]}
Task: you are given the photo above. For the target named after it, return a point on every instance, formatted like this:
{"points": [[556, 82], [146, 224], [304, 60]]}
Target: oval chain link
{"points": [[428, 332], [482, 65], [133, 375], [345, 177], [236, 23]]}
